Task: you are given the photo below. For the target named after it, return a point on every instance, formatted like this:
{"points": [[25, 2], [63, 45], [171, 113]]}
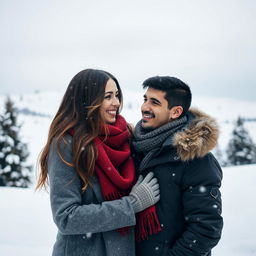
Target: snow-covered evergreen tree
{"points": [[241, 149], [14, 171]]}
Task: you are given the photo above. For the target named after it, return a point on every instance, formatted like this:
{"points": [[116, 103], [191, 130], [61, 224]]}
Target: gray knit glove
{"points": [[144, 193]]}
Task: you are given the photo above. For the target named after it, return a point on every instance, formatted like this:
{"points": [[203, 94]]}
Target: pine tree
{"points": [[241, 149], [13, 153]]}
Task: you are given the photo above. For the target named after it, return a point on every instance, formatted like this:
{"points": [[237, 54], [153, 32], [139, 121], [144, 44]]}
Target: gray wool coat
{"points": [[86, 224]]}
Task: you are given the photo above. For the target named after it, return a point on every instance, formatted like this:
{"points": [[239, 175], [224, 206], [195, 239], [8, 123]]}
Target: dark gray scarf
{"points": [[149, 142]]}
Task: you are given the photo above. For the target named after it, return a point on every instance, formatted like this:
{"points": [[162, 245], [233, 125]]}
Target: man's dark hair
{"points": [[177, 92]]}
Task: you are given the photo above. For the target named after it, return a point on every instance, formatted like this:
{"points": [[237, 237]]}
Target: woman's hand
{"points": [[144, 193]]}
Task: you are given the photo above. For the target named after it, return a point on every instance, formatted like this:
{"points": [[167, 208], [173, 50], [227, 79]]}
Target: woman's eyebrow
{"points": [[111, 92]]}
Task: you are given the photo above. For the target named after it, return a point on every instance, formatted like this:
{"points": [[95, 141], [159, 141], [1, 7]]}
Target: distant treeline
{"points": [[249, 119], [26, 111]]}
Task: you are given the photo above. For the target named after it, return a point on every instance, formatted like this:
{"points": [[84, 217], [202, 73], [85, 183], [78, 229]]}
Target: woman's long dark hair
{"points": [[79, 110]]}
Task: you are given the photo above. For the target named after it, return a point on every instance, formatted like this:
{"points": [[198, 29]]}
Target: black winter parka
{"points": [[189, 176]]}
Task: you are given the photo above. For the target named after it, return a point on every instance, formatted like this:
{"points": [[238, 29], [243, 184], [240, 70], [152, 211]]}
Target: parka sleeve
{"points": [[69, 213], [202, 208]]}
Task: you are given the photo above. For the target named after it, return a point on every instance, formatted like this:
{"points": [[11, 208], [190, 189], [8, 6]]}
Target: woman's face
{"points": [[111, 103]]}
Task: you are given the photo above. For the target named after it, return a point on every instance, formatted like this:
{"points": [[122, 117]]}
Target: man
{"points": [[174, 142]]}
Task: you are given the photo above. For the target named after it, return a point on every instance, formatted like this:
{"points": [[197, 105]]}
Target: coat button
{"points": [[176, 157], [214, 193]]}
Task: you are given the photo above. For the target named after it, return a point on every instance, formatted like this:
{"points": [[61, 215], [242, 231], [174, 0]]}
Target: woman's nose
{"points": [[116, 101]]}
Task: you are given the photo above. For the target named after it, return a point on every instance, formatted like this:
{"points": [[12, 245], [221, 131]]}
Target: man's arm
{"points": [[202, 208]]}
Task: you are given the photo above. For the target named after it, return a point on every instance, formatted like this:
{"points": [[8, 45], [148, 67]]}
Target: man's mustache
{"points": [[148, 113]]}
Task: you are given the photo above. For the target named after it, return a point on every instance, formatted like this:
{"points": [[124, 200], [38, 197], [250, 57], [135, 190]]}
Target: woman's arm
{"points": [[69, 214]]}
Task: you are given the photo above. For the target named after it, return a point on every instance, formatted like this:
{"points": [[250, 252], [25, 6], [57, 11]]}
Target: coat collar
{"points": [[197, 139]]}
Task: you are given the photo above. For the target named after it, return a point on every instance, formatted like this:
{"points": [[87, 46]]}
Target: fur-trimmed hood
{"points": [[198, 138]]}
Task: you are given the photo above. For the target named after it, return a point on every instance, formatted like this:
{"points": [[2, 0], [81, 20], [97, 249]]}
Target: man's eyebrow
{"points": [[154, 99]]}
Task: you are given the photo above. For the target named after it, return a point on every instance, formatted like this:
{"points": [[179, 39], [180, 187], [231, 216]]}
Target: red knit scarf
{"points": [[116, 173]]}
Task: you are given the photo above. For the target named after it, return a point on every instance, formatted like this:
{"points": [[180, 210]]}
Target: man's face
{"points": [[155, 112]]}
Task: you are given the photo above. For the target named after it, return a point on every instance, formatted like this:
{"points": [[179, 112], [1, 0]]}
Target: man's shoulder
{"points": [[203, 168]]}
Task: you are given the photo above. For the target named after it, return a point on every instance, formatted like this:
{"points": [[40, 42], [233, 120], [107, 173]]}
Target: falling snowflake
{"points": [[202, 189], [88, 235]]}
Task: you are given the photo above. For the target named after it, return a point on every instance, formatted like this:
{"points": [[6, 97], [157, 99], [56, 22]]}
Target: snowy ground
{"points": [[26, 223], [239, 211], [27, 228]]}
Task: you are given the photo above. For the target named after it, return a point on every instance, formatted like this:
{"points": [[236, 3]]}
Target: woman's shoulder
{"points": [[62, 145]]}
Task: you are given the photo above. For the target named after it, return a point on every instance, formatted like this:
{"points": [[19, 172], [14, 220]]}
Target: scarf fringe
{"points": [[148, 224]]}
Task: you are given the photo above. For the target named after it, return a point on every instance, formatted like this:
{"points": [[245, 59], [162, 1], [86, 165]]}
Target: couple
{"points": [[116, 191]]}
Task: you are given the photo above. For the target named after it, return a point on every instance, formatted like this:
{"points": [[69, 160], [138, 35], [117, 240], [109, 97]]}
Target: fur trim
{"points": [[199, 138]]}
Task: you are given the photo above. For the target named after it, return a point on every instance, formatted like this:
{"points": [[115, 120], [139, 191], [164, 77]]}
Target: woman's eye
{"points": [[107, 97]]}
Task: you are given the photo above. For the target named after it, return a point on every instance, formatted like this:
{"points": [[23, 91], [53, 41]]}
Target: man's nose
{"points": [[145, 106]]}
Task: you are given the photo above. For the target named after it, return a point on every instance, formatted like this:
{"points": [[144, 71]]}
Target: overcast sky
{"points": [[210, 44]]}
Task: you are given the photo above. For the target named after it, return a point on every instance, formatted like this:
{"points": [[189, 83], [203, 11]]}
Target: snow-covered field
{"points": [[26, 226]]}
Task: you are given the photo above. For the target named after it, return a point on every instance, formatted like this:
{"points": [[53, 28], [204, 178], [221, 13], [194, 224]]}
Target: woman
{"points": [[90, 171]]}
